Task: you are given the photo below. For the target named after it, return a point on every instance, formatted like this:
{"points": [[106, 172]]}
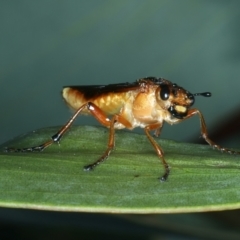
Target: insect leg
{"points": [[204, 132], [158, 131], [111, 143], [159, 151], [98, 114], [55, 138]]}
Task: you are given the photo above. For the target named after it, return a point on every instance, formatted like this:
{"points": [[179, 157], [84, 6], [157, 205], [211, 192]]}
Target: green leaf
{"points": [[201, 179]]}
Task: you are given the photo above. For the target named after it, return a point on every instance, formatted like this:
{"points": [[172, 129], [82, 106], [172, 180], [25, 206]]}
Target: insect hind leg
{"points": [[55, 138], [30, 149]]}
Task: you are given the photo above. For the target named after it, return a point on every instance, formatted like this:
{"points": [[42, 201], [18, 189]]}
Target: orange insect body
{"points": [[110, 103], [140, 106], [146, 103]]}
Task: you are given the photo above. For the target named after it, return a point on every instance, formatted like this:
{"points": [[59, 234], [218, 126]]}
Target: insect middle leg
{"points": [[111, 143], [111, 140]]}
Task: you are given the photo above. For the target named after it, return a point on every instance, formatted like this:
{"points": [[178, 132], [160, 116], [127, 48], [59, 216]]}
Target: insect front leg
{"points": [[55, 138], [204, 132], [157, 127]]}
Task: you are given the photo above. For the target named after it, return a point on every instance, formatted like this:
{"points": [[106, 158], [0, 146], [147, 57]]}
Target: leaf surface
{"points": [[201, 179]]}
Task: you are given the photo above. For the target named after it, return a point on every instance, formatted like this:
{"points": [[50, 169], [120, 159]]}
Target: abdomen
{"points": [[109, 103]]}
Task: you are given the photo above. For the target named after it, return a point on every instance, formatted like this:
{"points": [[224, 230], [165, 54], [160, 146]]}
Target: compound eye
{"points": [[164, 93]]}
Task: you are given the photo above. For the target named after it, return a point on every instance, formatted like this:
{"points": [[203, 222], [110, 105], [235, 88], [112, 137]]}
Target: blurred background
{"points": [[45, 45]]}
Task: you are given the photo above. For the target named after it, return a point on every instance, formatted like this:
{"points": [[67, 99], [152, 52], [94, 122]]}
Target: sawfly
{"points": [[146, 103]]}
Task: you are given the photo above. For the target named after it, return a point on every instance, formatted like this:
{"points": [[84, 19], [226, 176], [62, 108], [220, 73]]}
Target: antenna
{"points": [[205, 94]]}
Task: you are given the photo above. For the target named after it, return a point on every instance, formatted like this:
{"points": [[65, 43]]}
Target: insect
{"points": [[146, 103]]}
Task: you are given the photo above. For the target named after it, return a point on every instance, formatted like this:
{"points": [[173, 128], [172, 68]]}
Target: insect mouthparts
{"points": [[205, 94]]}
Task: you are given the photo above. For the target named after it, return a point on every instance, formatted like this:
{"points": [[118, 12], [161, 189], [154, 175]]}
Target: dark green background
{"points": [[45, 45]]}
